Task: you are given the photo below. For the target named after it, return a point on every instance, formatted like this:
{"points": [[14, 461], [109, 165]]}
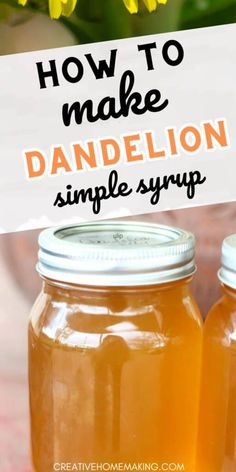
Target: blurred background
{"points": [[30, 28]]}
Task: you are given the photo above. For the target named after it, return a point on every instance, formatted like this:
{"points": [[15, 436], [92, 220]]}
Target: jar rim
{"points": [[116, 253]]}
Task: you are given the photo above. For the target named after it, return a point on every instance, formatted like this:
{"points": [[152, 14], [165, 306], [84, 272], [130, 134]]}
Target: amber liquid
{"points": [[217, 432], [114, 377]]}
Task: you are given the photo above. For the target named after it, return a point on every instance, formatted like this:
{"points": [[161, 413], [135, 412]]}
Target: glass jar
{"points": [[114, 349], [217, 432]]}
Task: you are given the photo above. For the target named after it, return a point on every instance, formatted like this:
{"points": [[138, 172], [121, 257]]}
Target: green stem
{"points": [[164, 19], [108, 20], [116, 20]]}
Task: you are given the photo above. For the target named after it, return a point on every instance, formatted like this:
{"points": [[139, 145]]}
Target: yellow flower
{"points": [[151, 5], [57, 7]]}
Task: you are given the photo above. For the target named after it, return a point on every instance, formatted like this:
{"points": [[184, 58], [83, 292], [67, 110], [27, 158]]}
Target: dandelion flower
{"points": [[151, 5], [57, 7]]}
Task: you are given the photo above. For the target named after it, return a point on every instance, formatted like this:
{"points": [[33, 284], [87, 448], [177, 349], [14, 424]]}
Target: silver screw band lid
{"points": [[227, 272], [116, 253]]}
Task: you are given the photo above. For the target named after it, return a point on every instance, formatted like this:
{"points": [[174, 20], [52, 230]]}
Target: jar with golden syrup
{"points": [[115, 349], [217, 430]]}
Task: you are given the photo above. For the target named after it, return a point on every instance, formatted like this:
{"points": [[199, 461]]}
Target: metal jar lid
{"points": [[227, 272], [116, 253]]}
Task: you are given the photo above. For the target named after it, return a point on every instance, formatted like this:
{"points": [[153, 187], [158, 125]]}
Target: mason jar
{"points": [[217, 431], [115, 349]]}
